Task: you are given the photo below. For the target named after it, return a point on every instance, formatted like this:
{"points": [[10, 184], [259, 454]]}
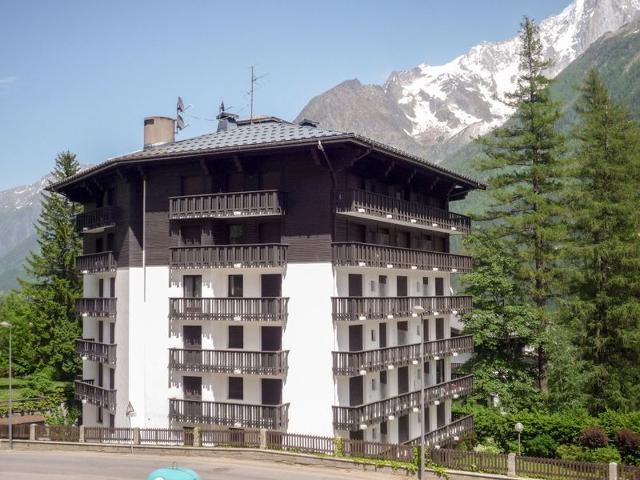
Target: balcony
{"points": [[453, 431], [354, 363], [238, 415], [229, 361], [258, 309], [98, 220], [96, 307], [87, 392], [353, 254], [229, 256], [374, 206], [227, 205], [352, 418], [95, 351], [96, 263], [380, 308]]}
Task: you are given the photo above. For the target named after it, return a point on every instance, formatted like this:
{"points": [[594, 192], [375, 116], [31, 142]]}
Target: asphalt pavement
{"points": [[68, 465]]}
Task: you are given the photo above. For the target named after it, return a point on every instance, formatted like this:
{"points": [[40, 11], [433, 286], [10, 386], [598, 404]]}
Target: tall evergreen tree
{"points": [[603, 250], [53, 285], [523, 161]]}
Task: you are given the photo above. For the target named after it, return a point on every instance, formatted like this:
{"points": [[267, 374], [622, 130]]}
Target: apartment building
{"points": [[270, 275]]}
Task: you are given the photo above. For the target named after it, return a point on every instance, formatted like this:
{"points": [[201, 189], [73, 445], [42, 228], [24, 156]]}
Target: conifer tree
{"points": [[603, 251], [53, 285], [522, 159]]}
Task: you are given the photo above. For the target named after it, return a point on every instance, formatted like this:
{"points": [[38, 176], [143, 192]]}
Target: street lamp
{"points": [[519, 428], [9, 326], [419, 310]]}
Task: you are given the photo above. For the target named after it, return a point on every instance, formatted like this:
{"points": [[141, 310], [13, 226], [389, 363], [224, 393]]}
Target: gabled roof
{"points": [[261, 133]]}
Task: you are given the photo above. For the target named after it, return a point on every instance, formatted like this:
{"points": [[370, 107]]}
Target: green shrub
{"points": [[604, 455], [489, 445], [541, 446], [572, 453], [594, 437]]}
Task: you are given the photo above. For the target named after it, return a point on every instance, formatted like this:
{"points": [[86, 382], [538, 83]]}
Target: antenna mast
{"points": [[254, 82]]}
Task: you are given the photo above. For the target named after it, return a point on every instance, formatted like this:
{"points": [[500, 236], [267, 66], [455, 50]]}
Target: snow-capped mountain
{"points": [[442, 107]]}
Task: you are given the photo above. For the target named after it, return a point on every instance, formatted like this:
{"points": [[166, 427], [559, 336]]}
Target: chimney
{"points": [[159, 130], [226, 120]]}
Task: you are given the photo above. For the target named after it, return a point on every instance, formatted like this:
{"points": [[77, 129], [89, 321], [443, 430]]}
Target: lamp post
{"points": [[519, 428], [9, 326], [419, 310]]}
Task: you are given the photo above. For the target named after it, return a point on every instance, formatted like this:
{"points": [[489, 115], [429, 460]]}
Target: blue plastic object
{"points": [[175, 473]]}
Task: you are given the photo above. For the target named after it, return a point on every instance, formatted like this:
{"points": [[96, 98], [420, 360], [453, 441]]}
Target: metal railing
{"points": [[229, 361], [87, 391], [96, 262], [95, 351], [233, 204], [453, 431], [366, 308], [229, 256], [351, 418], [102, 217], [96, 307], [355, 254], [256, 309], [389, 208], [274, 417], [352, 363]]}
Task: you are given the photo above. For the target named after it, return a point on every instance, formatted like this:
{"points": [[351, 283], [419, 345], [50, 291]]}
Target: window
{"points": [[236, 336], [383, 428], [403, 332], [236, 234], [112, 287], [439, 286], [382, 280], [101, 287], [373, 384], [192, 286], [112, 333], [425, 286], [235, 286], [112, 421], [99, 418], [236, 388], [355, 285], [191, 235], [439, 328], [100, 331], [383, 236], [373, 335], [402, 286], [440, 370]]}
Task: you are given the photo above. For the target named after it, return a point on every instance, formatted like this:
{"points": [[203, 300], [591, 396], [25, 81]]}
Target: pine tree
{"points": [[522, 159], [603, 251], [53, 285]]}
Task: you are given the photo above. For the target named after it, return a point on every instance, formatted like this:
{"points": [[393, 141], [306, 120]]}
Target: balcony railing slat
{"points": [[99, 218], [380, 256], [229, 256], [351, 363], [96, 262], [95, 395], [258, 309], [350, 418], [273, 417], [365, 308], [221, 205], [229, 361], [389, 208], [98, 352], [97, 307]]}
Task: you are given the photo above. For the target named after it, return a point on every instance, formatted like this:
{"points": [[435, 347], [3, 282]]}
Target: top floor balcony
{"points": [[223, 205], [375, 206], [97, 220]]}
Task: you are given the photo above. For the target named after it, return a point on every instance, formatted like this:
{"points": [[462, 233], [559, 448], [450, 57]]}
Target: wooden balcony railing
{"points": [[368, 204], [221, 205], [353, 363], [87, 391], [98, 219], [379, 256], [453, 431], [240, 415], [258, 309], [97, 307], [96, 262], [351, 418], [229, 256], [229, 361], [98, 352], [366, 308]]}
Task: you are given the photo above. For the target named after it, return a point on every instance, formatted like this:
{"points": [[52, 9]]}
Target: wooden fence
{"points": [[470, 461], [230, 438], [294, 442]]}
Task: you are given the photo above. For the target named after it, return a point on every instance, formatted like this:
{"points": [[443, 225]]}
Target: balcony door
{"points": [[192, 337], [271, 339], [403, 333], [100, 331], [403, 429], [441, 413], [403, 380], [235, 286], [382, 281], [439, 286], [271, 285], [402, 288], [439, 328], [356, 391], [440, 371], [192, 388], [383, 384], [382, 334], [271, 391], [192, 292], [355, 338], [355, 285]]}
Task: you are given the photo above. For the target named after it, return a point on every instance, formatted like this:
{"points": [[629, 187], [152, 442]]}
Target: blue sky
{"points": [[81, 75]]}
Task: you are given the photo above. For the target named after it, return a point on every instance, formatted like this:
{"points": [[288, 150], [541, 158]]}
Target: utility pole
{"points": [[8, 325]]}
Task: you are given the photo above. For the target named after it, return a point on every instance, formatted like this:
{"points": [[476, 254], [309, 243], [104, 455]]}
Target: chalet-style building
{"points": [[267, 275]]}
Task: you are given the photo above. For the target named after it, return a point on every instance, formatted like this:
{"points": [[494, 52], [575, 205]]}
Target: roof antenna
{"points": [[254, 82], [180, 108]]}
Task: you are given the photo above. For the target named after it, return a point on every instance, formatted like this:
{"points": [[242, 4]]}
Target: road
{"points": [[67, 465]]}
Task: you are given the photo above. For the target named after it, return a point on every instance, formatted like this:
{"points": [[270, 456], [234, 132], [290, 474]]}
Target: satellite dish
{"points": [[180, 105], [180, 125]]}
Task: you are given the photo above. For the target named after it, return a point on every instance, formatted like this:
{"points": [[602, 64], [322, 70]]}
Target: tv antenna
{"points": [[180, 108], [254, 82]]}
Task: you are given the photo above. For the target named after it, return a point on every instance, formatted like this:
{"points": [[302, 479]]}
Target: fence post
{"points": [[197, 437], [32, 432], [263, 438], [136, 435], [81, 434], [613, 471], [511, 465]]}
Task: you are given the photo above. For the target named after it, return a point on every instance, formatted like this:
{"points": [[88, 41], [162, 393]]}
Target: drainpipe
{"points": [[144, 238], [334, 181]]}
